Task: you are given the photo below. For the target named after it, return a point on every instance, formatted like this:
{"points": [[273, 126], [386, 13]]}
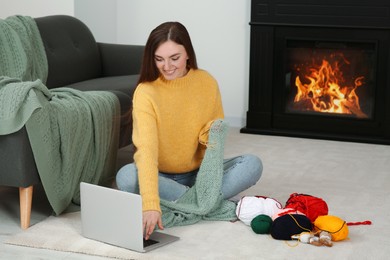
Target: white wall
{"points": [[35, 8], [100, 16], [220, 33]]}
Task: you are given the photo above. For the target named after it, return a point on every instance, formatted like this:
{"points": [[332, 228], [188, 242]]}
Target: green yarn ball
{"points": [[261, 224]]}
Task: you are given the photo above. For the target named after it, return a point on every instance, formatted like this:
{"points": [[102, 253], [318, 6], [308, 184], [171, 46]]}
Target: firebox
{"points": [[320, 70], [336, 78]]}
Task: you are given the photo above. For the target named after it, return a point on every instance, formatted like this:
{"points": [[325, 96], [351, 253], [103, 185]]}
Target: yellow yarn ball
{"points": [[334, 225]]}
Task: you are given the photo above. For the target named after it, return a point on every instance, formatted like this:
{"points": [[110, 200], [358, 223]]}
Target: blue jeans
{"points": [[240, 173]]}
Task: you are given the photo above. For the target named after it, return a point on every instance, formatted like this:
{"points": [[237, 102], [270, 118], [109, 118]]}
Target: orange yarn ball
{"points": [[334, 225]]}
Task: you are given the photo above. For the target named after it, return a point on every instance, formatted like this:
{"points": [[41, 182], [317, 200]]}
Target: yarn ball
{"points": [[311, 206], [337, 227], [288, 225], [261, 224], [248, 207]]}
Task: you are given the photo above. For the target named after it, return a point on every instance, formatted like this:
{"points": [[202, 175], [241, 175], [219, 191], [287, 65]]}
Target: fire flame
{"points": [[324, 93]]}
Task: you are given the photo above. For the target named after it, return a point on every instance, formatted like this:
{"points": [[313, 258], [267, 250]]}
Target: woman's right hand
{"points": [[150, 219]]}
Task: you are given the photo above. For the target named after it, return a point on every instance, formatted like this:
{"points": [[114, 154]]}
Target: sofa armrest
{"points": [[120, 59]]}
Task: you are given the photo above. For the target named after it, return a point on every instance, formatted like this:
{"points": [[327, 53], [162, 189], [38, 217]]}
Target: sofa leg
{"points": [[25, 200]]}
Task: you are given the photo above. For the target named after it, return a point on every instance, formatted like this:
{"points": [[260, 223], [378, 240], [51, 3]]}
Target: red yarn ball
{"points": [[311, 206]]}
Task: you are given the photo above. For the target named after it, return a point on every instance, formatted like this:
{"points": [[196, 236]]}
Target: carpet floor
{"points": [[353, 179]]}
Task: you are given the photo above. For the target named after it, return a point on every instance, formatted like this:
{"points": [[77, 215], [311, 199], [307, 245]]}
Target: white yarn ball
{"points": [[250, 207]]}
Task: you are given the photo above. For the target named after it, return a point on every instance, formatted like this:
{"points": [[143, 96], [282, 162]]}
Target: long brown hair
{"points": [[173, 31]]}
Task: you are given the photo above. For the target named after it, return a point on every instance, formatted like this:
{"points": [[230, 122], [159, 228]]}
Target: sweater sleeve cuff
{"points": [[151, 205]]}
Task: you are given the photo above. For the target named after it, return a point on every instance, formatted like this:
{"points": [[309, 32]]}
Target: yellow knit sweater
{"points": [[170, 118]]}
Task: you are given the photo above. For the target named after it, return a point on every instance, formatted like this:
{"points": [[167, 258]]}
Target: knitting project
{"points": [[204, 199], [73, 134]]}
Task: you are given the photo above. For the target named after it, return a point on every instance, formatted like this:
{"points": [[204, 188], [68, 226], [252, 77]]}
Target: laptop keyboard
{"points": [[149, 242]]}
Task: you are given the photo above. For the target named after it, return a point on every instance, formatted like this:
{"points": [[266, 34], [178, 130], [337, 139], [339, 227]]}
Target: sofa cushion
{"points": [[71, 50], [126, 84]]}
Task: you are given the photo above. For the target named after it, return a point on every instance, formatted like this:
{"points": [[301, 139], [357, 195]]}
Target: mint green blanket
{"points": [[22, 54], [204, 199], [73, 134]]}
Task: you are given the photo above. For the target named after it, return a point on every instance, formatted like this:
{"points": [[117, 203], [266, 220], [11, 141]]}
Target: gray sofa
{"points": [[75, 60]]}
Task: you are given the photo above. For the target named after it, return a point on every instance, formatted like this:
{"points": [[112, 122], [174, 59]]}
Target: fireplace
{"points": [[320, 69]]}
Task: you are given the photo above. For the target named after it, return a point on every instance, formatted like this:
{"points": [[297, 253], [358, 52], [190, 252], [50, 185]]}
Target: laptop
{"points": [[115, 217]]}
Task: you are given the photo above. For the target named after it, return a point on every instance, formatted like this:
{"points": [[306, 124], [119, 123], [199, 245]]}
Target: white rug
{"points": [[63, 233]]}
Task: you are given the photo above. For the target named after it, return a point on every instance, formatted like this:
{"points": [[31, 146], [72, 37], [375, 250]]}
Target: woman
{"points": [[173, 102]]}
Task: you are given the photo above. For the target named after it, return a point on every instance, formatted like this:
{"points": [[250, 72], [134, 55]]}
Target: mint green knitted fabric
{"points": [[204, 199], [74, 138], [22, 54], [23, 57], [73, 134]]}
